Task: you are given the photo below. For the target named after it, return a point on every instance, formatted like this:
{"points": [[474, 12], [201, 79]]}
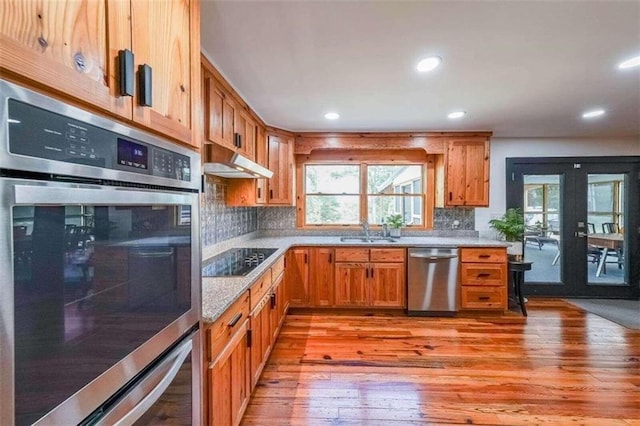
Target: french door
{"points": [[582, 224]]}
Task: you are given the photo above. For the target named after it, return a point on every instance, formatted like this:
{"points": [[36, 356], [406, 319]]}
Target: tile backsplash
{"points": [[219, 222]]}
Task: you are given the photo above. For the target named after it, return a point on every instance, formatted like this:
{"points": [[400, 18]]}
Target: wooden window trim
{"points": [[365, 158]]}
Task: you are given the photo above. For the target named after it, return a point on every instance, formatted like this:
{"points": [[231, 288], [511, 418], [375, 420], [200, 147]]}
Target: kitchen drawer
{"points": [[484, 255], [387, 255], [222, 330], [352, 254], [481, 297], [277, 269], [259, 289], [483, 273]]}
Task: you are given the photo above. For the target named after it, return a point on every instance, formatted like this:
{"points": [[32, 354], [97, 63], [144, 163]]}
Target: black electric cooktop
{"points": [[236, 262]]}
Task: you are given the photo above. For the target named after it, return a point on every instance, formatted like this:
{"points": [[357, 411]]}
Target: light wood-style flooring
{"points": [[562, 366]]}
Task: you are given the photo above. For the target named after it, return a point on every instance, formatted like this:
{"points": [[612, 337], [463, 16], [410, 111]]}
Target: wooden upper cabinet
{"points": [[467, 172], [281, 185], [162, 39], [245, 129], [262, 158], [70, 47], [219, 112]]}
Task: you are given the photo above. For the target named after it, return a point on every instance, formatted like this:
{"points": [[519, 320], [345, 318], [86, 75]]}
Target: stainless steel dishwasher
{"points": [[432, 281]]}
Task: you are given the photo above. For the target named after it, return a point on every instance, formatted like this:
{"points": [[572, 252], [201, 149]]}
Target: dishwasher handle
{"points": [[428, 256]]}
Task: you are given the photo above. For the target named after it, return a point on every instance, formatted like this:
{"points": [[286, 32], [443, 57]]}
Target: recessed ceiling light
{"points": [[428, 64], [629, 63], [593, 113], [457, 114], [332, 116]]}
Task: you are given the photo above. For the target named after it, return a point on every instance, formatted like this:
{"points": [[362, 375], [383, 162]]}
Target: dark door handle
{"points": [[235, 320], [259, 193], [273, 300], [371, 272], [366, 272], [145, 85], [271, 193], [484, 274], [330, 257], [450, 196], [125, 63], [483, 298]]}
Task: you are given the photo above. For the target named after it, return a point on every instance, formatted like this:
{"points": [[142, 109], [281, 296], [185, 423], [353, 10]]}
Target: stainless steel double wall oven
{"points": [[99, 269]]}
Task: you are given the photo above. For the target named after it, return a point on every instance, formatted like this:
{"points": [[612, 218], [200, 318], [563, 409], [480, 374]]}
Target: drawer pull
{"points": [[273, 300], [484, 256], [235, 320], [484, 298], [484, 274]]}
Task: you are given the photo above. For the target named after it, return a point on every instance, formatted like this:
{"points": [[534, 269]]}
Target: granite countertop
{"points": [[218, 293]]}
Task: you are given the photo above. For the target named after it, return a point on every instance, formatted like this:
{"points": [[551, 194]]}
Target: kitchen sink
{"points": [[368, 240]]}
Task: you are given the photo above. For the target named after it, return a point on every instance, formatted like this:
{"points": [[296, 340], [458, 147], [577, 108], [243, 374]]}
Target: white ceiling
{"points": [[519, 68]]}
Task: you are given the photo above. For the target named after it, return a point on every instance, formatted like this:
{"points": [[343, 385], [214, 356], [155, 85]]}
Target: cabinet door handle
{"points": [[259, 193], [371, 272], [305, 258], [450, 196], [249, 338], [484, 298], [235, 320], [271, 193], [366, 272], [330, 258], [145, 85], [236, 137], [273, 301], [484, 256], [484, 274], [239, 140], [125, 63]]}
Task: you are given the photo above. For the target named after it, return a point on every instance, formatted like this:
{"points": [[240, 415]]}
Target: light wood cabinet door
{"points": [[297, 277], [262, 158], [321, 276], [162, 39], [261, 337], [278, 307], [351, 284], [281, 185], [229, 382], [467, 172], [69, 46], [219, 112], [245, 128], [387, 282]]}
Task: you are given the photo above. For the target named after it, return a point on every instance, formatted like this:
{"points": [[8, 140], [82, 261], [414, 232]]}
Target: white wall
{"points": [[502, 148]]}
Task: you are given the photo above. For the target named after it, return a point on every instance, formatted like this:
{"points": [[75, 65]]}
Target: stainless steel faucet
{"points": [[365, 227]]}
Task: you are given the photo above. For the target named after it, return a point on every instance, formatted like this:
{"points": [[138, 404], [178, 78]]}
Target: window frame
{"points": [[365, 159]]}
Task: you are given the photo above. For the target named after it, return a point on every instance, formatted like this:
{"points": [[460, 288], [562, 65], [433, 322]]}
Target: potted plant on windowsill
{"points": [[395, 222], [511, 228]]}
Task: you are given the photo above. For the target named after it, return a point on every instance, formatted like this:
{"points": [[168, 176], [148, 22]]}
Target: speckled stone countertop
{"points": [[220, 292]]}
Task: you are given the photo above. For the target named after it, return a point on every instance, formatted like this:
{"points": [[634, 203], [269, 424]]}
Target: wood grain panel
{"points": [[388, 285], [351, 284], [321, 276], [259, 289], [387, 255], [161, 38], [494, 274], [67, 47], [220, 332], [477, 174], [483, 297], [277, 269], [483, 254], [297, 277], [352, 254]]}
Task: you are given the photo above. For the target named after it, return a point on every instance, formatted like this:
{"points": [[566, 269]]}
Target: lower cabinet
{"points": [[370, 277], [483, 278], [297, 277], [228, 372], [238, 346]]}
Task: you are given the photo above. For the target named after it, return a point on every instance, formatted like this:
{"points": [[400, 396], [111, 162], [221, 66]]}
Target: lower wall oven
{"points": [[99, 268]]}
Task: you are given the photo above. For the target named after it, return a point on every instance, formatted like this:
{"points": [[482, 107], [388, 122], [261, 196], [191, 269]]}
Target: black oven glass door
{"points": [[92, 282]]}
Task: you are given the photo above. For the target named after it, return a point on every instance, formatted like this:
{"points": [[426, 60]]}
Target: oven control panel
{"points": [[36, 132]]}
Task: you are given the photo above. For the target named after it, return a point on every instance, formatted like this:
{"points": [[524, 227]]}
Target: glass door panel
{"points": [[542, 218], [605, 228]]}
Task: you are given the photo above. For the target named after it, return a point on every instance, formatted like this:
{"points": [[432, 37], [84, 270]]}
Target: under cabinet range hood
{"points": [[225, 163]]}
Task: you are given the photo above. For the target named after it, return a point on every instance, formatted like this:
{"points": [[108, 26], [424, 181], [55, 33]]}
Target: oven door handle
{"points": [[149, 389], [56, 195]]}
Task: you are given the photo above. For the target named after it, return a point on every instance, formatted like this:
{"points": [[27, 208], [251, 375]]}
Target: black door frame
{"points": [[577, 280]]}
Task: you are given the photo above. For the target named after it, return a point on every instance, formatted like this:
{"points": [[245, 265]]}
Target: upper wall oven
{"points": [[99, 262]]}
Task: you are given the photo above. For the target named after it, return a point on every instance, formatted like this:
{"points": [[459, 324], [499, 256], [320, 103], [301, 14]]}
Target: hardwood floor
{"points": [[563, 366]]}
